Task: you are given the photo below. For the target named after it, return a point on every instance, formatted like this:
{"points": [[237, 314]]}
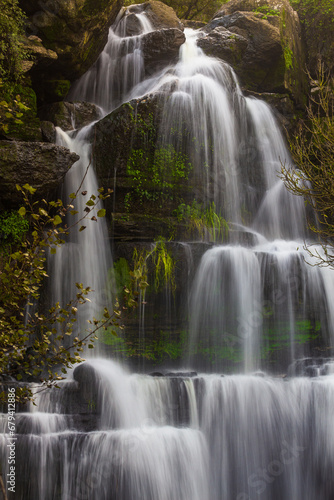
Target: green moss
{"points": [[13, 227], [155, 176], [267, 11], [53, 31], [22, 122], [60, 87], [279, 339], [93, 7], [203, 221], [120, 275], [157, 350], [288, 57]]}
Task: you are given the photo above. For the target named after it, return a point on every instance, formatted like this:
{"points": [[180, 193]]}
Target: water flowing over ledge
{"points": [[108, 434]]}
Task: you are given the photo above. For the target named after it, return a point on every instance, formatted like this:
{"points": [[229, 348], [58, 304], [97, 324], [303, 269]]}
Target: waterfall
{"points": [[178, 438], [109, 434], [86, 257]]}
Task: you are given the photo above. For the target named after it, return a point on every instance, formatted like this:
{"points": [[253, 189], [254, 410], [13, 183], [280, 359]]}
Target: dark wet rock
{"points": [[41, 56], [76, 30], [161, 48], [311, 367], [159, 14], [181, 374], [274, 58], [70, 115], [39, 164], [224, 44], [252, 46], [48, 131]]}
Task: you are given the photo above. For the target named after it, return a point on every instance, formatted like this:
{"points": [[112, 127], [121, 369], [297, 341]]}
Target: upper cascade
{"points": [[234, 150]]}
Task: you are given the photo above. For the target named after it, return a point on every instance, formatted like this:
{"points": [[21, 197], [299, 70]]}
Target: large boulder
{"points": [[262, 40], [39, 164], [255, 47], [150, 177], [76, 30], [158, 14], [41, 56], [161, 48], [70, 115]]}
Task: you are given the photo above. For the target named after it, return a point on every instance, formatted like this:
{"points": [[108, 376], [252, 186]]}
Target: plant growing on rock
{"points": [[12, 52], [205, 222]]}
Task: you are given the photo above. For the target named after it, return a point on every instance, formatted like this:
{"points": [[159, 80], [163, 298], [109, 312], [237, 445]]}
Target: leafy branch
{"points": [[33, 345], [313, 154]]}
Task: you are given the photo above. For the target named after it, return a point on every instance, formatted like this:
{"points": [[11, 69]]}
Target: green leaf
{"points": [[57, 220], [43, 212], [22, 211], [90, 203], [101, 212], [53, 250], [73, 196], [29, 188]]}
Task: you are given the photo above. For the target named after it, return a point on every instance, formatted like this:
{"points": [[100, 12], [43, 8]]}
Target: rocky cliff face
{"points": [[39, 164], [261, 39], [76, 31]]}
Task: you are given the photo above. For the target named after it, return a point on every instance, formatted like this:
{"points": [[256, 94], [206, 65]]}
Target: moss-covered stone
{"points": [[151, 178], [273, 60], [76, 30], [27, 127], [70, 115], [41, 165]]}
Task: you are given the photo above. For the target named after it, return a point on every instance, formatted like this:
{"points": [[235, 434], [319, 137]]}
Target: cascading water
{"points": [[178, 438], [107, 434]]}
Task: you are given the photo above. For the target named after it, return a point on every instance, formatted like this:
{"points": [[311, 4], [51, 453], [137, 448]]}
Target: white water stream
{"points": [[111, 435]]}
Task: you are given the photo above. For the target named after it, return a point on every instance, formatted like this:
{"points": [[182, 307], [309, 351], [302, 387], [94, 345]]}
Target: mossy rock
{"points": [[39, 164], [29, 127], [76, 30], [70, 115], [151, 178], [274, 58]]}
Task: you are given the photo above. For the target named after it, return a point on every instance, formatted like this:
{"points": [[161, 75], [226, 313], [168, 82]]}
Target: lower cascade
{"points": [[108, 434], [217, 433]]}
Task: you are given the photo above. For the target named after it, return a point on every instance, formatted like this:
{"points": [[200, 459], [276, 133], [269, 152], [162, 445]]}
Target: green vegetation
{"points": [[267, 11], [11, 52], [161, 348], [33, 344], [197, 10], [155, 178], [317, 19], [205, 222], [313, 154], [288, 57], [279, 339], [157, 262], [13, 228], [17, 100]]}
